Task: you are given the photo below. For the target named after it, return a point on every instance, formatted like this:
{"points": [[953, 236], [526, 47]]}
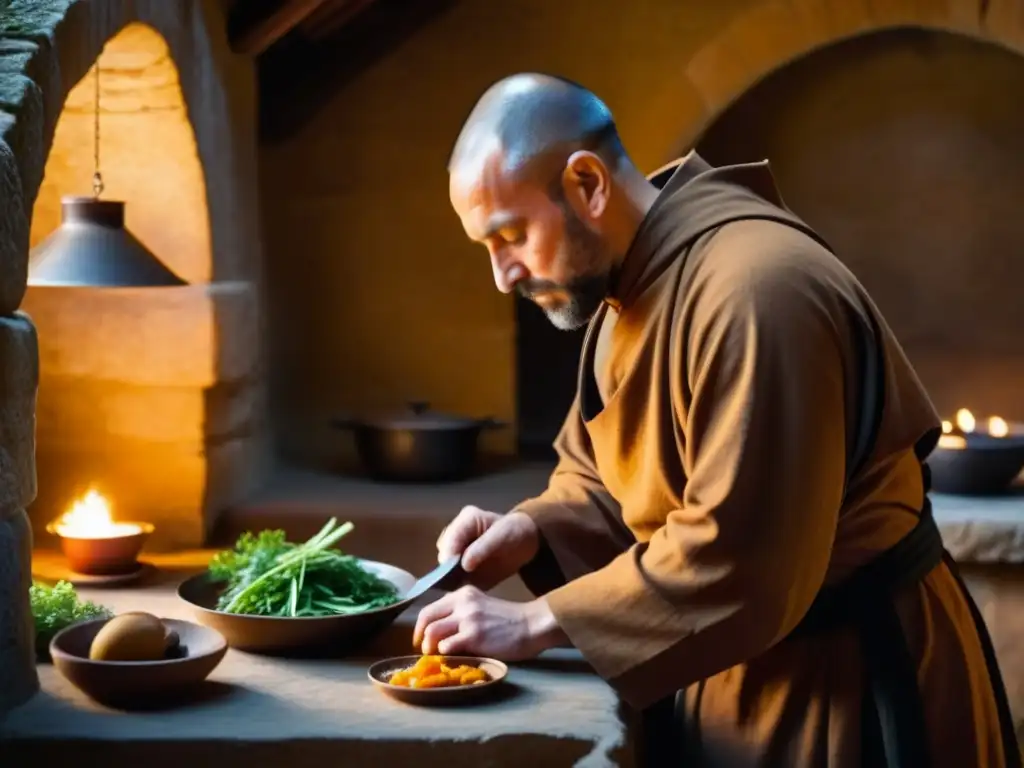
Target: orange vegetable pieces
{"points": [[440, 680], [401, 677], [432, 672]]}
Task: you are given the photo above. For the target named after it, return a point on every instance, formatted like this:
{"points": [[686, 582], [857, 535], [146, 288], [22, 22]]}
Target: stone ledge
{"points": [[190, 336], [19, 377], [982, 530]]}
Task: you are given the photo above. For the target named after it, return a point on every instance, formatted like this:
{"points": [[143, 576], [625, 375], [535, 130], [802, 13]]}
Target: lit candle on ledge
{"points": [[954, 436], [94, 543], [90, 518]]}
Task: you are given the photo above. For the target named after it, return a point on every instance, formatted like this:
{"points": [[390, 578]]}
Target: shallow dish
{"points": [[138, 684], [284, 635], [381, 671]]}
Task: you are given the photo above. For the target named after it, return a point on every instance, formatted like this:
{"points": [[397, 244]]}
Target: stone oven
{"points": [[152, 395]]}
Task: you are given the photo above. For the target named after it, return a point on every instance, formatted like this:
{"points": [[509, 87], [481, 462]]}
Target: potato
{"points": [[132, 636]]}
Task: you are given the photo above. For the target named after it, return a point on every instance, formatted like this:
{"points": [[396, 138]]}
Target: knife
{"points": [[449, 568]]}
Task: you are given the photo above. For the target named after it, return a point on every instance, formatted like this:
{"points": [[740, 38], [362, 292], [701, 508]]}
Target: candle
{"points": [[967, 424], [90, 518]]}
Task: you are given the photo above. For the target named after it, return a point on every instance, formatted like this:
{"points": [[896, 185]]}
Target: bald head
{"points": [[539, 177], [528, 117]]}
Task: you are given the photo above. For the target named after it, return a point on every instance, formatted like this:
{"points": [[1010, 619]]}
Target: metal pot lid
{"points": [[419, 416]]}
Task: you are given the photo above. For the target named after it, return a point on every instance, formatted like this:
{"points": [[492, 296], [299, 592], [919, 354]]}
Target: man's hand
{"points": [[469, 622], [493, 547]]}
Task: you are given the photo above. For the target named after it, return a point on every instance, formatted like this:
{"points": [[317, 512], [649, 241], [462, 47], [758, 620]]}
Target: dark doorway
{"points": [[546, 363]]}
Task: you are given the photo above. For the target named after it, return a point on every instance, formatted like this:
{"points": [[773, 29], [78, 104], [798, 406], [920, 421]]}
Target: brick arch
{"points": [[772, 34]]}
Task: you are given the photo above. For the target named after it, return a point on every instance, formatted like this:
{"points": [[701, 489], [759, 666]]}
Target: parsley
{"points": [[57, 607], [266, 575]]}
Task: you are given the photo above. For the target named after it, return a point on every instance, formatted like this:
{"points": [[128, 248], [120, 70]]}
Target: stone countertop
{"points": [[266, 711]]}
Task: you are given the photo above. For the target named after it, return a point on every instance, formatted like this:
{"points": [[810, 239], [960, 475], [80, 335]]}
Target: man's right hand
{"points": [[493, 547]]}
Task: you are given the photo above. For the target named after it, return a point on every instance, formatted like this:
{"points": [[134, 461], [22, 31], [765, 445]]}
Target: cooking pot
{"points": [[418, 445]]}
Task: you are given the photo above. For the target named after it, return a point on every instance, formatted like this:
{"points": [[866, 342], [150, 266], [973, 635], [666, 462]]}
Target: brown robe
{"points": [[698, 507]]}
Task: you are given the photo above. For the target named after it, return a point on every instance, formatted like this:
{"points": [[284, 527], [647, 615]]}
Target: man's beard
{"points": [[582, 295]]}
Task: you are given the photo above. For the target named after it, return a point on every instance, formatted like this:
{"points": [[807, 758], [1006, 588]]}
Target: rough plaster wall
{"points": [[904, 150], [376, 295], [385, 298]]}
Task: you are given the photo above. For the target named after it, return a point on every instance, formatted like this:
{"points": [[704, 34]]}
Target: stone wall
{"points": [[176, 372]]}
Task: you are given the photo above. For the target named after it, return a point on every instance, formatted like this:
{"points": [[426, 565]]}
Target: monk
{"points": [[739, 522]]}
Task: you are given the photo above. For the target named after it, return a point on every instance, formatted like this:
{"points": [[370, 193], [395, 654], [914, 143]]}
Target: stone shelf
{"points": [[975, 529]]}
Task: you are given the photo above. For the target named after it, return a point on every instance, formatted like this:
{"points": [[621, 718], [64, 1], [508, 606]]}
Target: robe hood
{"points": [[695, 199]]}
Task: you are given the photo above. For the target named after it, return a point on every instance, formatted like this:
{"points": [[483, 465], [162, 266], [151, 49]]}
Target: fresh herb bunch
{"points": [[269, 576], [57, 607]]}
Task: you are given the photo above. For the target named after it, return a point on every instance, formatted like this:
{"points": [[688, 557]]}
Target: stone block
{"points": [[18, 678], [75, 411], [19, 376], [190, 336], [179, 487], [22, 98], [14, 227]]}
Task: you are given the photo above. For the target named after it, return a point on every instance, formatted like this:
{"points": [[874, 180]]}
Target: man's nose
{"points": [[506, 273]]}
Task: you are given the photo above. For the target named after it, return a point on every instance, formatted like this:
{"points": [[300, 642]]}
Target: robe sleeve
{"points": [[734, 569], [580, 523]]}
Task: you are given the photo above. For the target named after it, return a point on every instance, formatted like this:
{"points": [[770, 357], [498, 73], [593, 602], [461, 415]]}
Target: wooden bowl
{"points": [[111, 555], [286, 635], [137, 684], [983, 467], [381, 671]]}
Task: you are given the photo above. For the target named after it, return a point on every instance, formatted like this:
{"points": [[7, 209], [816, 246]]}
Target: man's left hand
{"points": [[470, 622]]}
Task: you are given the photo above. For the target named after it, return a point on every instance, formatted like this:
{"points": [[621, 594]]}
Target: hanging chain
{"points": [[97, 177]]}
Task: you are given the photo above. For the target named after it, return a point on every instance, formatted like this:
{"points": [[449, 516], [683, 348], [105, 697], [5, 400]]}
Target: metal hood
{"points": [[91, 247]]}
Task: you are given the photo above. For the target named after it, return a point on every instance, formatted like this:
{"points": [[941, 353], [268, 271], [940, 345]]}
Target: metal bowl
{"points": [[285, 635], [984, 466]]}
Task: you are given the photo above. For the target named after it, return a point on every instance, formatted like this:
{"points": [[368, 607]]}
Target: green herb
{"points": [[57, 607], [268, 576]]}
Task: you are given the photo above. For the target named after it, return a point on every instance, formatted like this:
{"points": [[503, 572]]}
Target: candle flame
{"points": [[965, 420], [997, 427], [90, 518], [947, 427]]}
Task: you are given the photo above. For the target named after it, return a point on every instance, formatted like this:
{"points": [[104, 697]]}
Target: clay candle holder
{"points": [[977, 460], [93, 543]]}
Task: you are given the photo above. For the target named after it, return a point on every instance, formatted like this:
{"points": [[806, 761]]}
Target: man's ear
{"points": [[587, 183]]}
